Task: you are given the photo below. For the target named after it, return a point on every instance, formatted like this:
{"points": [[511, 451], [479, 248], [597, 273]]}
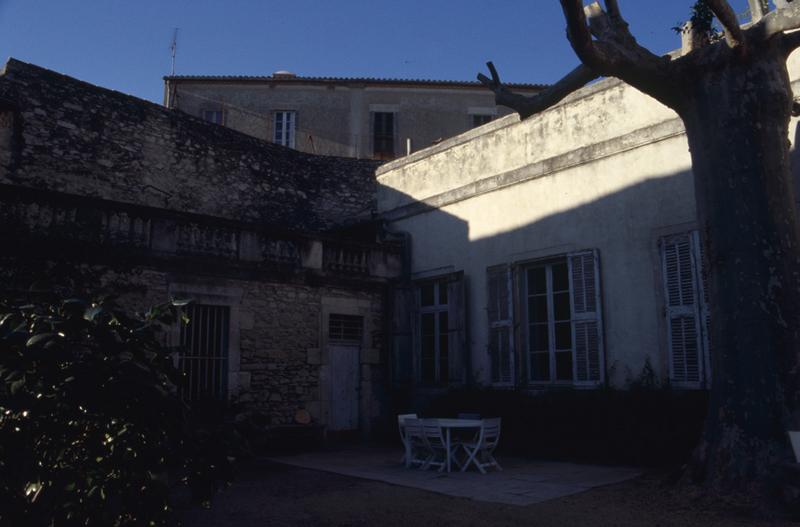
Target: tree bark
{"points": [[736, 118]]}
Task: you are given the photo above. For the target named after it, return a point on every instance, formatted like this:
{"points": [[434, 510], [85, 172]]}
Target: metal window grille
{"points": [[204, 358], [347, 328]]}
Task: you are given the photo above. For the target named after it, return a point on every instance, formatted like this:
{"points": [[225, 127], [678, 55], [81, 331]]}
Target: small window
{"points": [[214, 116], [345, 328], [284, 128], [383, 135], [480, 120]]}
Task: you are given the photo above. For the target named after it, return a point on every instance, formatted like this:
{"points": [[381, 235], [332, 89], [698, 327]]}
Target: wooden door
{"points": [[344, 386]]}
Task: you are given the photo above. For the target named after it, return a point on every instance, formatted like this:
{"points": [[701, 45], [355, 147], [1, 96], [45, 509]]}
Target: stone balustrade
{"points": [[59, 220]]}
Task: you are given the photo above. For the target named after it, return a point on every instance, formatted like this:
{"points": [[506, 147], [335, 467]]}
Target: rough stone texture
{"points": [[77, 138], [83, 176], [284, 324]]}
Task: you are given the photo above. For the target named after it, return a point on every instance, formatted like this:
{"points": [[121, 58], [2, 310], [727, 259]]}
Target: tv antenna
{"points": [[174, 48]]}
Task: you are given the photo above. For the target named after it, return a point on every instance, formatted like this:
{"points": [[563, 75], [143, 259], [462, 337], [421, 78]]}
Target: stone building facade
{"points": [[353, 117], [277, 248]]}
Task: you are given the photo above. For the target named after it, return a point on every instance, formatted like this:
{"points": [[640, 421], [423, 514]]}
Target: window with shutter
{"points": [[587, 327], [564, 326], [499, 310], [685, 309], [439, 332]]}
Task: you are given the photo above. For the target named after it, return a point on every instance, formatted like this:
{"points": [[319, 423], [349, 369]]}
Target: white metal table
{"points": [[448, 424]]}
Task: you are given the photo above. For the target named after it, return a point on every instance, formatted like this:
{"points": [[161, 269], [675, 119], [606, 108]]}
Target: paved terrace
{"points": [[521, 482]]}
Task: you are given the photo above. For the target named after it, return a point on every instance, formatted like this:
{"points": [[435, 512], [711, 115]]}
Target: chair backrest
{"points": [[433, 432], [402, 417], [469, 416], [490, 432], [414, 431]]}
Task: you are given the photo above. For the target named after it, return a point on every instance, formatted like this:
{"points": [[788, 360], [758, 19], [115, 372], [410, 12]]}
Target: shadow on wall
{"points": [[624, 228]]}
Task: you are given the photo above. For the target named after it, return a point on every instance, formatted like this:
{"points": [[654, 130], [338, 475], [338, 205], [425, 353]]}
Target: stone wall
{"points": [[101, 192], [276, 350], [80, 139]]}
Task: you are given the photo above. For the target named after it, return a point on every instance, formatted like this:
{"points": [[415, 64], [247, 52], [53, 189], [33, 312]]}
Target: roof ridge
{"points": [[296, 78]]}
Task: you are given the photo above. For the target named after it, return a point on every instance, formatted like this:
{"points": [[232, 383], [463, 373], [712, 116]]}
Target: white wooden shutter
{"points": [[499, 309], [456, 307], [684, 336], [705, 312], [587, 322]]}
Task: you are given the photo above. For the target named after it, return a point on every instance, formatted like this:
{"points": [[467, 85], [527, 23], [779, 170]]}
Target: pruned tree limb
{"points": [[616, 53], [527, 106], [612, 7], [791, 41], [785, 18], [727, 17], [579, 33], [756, 10]]}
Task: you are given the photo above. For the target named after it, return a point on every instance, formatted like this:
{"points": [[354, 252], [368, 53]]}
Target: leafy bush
{"points": [[92, 431]]}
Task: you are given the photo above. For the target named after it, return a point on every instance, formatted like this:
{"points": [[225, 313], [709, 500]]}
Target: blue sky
{"points": [[124, 45]]}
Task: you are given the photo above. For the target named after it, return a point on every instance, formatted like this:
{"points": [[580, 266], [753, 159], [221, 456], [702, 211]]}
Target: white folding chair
{"points": [[479, 452], [418, 452], [401, 425], [437, 445]]}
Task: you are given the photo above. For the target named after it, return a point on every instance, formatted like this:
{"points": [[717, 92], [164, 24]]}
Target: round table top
{"points": [[447, 422]]}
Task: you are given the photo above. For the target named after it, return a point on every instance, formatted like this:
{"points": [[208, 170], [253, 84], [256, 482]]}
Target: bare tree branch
{"points": [[727, 17], [756, 10], [785, 18], [579, 34], [612, 8], [527, 106], [791, 41]]}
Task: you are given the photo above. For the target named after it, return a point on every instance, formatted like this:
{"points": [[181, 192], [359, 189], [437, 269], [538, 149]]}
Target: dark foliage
{"points": [[92, 431], [640, 426]]}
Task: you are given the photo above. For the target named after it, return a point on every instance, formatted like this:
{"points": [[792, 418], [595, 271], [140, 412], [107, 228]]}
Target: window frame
{"points": [[205, 112], [286, 135], [384, 138], [436, 309], [580, 317]]}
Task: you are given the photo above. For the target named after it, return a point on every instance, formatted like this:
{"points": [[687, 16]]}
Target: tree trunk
{"points": [[737, 117]]}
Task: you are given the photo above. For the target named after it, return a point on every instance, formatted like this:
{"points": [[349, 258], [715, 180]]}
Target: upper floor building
{"points": [[350, 117]]}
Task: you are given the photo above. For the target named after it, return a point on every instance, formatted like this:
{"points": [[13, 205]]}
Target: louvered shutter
{"points": [[684, 338], [499, 308], [705, 312], [456, 307], [403, 308], [587, 322]]}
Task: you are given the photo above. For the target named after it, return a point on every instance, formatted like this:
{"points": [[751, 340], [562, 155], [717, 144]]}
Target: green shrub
{"points": [[92, 431]]}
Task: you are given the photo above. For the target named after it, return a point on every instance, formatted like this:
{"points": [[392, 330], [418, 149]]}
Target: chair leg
{"points": [[470, 458]]}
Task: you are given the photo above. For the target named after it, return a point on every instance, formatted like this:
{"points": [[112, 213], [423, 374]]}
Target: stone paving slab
{"points": [[521, 482]]}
